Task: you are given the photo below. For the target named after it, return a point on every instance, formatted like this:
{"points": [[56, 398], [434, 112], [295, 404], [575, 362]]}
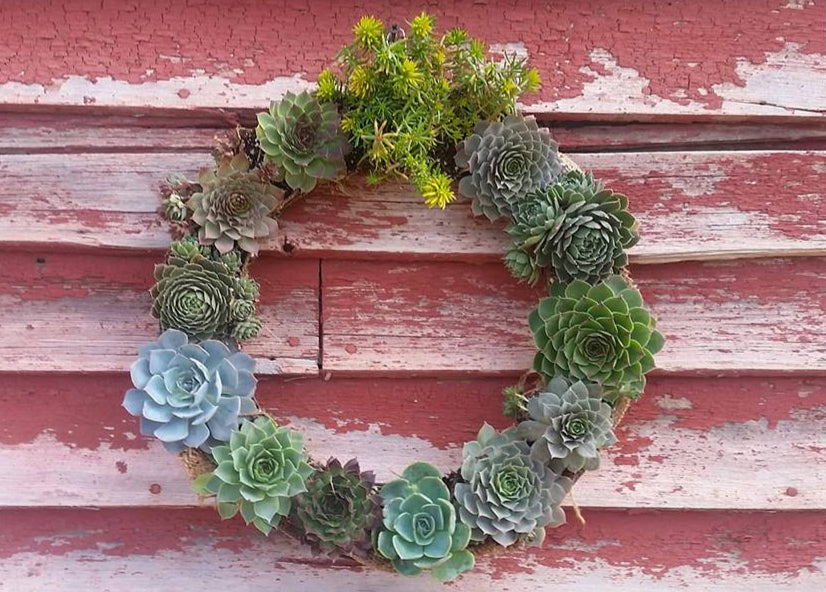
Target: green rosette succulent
{"points": [[506, 161], [246, 329], [568, 425], [419, 530], [339, 509], [258, 473], [522, 266], [600, 334], [193, 296], [505, 492], [233, 207], [188, 247], [575, 226], [303, 137]]}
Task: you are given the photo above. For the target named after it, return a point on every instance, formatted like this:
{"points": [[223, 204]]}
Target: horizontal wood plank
{"points": [[744, 443], [70, 313], [456, 318], [181, 130], [645, 551], [700, 205], [633, 60], [89, 314]]}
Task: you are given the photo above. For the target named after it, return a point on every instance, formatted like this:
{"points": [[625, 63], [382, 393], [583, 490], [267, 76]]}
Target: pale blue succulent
{"points": [[188, 394]]}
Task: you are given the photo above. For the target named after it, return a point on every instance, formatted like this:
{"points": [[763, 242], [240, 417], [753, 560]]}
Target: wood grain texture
{"points": [[690, 443], [136, 549], [632, 59], [457, 318], [691, 205], [49, 131], [389, 317], [70, 313]]}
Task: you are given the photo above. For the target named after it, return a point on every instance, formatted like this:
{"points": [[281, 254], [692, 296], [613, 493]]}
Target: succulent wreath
{"points": [[434, 110]]}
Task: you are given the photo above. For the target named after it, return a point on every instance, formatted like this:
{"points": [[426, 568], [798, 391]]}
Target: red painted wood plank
{"points": [[599, 58], [689, 443], [74, 313], [457, 318], [691, 205], [643, 551]]}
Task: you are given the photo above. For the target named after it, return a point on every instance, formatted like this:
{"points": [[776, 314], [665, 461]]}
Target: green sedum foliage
{"points": [[419, 530], [339, 509], [302, 136], [506, 161], [600, 333], [233, 207], [261, 468], [408, 99], [576, 227], [505, 492], [568, 425]]}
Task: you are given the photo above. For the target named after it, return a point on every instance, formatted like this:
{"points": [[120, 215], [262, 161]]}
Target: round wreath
{"points": [[434, 110]]}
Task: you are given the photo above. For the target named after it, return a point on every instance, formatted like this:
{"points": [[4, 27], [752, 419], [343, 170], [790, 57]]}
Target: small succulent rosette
{"points": [[190, 395], [233, 207], [601, 333], [259, 472], [569, 423], [420, 530], [575, 227], [339, 510], [303, 137], [506, 161], [505, 493]]}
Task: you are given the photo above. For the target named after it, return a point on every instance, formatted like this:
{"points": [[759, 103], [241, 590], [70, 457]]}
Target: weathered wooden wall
{"points": [[391, 328]]}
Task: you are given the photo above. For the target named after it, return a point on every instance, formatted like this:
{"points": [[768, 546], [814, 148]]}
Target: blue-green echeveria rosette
{"points": [[190, 395], [568, 425], [419, 529], [505, 162], [258, 473], [505, 493], [601, 333], [303, 137]]}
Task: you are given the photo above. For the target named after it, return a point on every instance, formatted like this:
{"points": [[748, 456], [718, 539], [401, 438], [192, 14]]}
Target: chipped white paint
{"points": [[180, 92], [671, 403], [385, 454], [789, 79], [788, 83], [659, 464]]}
